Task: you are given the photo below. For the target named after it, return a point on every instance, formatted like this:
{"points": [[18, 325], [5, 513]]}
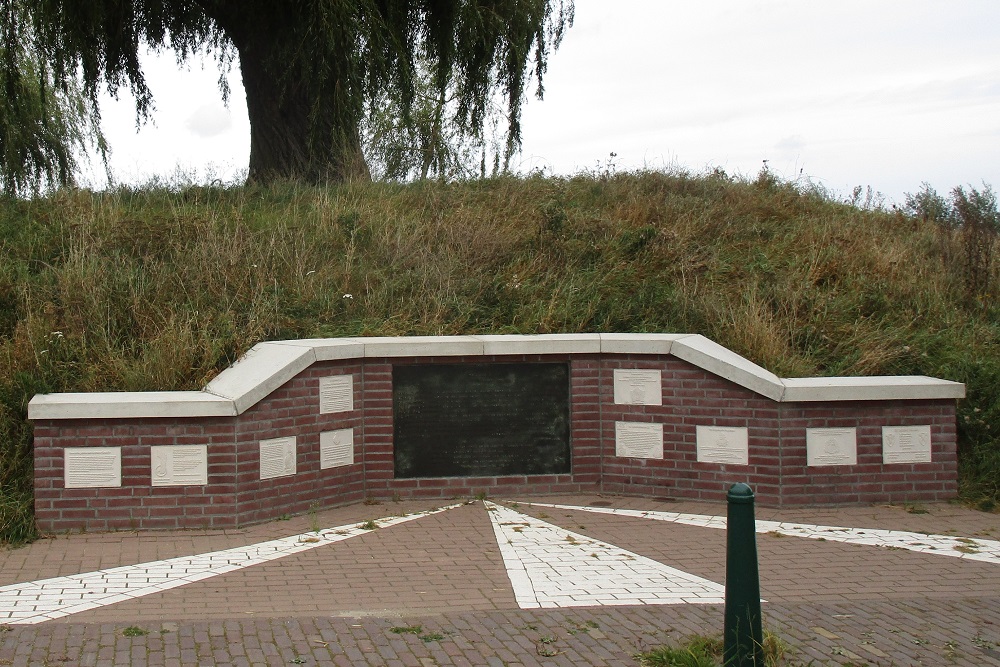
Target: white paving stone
{"points": [[37, 601], [550, 567], [940, 545]]}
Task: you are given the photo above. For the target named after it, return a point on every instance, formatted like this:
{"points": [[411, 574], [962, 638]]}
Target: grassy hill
{"points": [[162, 288]]}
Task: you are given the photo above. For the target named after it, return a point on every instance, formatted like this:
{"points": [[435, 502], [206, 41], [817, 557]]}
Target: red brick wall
{"points": [[691, 398], [870, 480], [293, 410], [235, 494], [137, 504]]}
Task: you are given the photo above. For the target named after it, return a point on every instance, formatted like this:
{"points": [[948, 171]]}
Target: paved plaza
{"points": [[571, 580]]}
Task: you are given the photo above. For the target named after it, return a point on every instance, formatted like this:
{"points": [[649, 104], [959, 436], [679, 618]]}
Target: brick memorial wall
{"points": [[301, 424]]}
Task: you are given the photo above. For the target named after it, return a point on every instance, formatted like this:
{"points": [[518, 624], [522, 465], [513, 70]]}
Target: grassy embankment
{"points": [[157, 289]]}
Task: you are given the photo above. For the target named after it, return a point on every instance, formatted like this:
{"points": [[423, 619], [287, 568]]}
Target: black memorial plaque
{"points": [[473, 420]]}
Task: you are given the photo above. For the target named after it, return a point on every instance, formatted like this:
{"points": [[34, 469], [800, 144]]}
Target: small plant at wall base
{"points": [[705, 651], [162, 287]]}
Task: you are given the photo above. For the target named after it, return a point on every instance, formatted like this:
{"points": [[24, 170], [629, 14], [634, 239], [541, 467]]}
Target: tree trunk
{"points": [[297, 130]]}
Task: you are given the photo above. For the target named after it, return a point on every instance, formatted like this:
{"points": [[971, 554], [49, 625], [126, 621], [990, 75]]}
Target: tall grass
{"points": [[161, 288]]}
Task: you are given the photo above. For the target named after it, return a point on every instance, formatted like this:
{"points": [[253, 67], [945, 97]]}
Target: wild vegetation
{"points": [[163, 287]]}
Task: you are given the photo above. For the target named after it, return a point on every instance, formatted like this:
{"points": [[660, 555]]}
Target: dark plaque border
{"points": [[480, 420]]}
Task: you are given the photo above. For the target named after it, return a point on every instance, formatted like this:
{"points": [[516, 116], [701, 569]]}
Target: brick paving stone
{"points": [[336, 605]]}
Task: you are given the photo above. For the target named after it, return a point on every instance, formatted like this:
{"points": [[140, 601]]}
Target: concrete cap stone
{"points": [[712, 357], [542, 344], [126, 405], [264, 368], [421, 346], [638, 343], [884, 388], [330, 349]]}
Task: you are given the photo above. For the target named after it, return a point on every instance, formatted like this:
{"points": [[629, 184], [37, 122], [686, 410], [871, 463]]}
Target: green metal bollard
{"points": [[743, 637]]}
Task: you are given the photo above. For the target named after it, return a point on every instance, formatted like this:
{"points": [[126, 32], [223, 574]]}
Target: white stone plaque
{"points": [[638, 387], [639, 440], [92, 467], [336, 394], [277, 457], [723, 444], [336, 448], [831, 446], [179, 465], [906, 444]]}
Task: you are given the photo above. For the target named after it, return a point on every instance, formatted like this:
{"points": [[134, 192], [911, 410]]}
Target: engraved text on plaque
{"points": [[722, 444], [277, 457], [179, 465], [336, 448], [638, 387], [639, 440], [831, 446], [336, 394], [92, 467], [906, 444]]}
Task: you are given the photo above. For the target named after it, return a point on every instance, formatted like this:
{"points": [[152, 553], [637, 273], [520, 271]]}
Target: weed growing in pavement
{"points": [[705, 651], [368, 525], [134, 631], [313, 518]]}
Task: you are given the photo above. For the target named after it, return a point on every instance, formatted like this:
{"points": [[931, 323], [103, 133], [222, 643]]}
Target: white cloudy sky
{"points": [[886, 93]]}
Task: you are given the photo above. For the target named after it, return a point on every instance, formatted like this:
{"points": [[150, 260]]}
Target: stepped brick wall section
{"points": [[691, 398], [136, 504], [871, 480], [293, 410], [235, 495], [777, 468]]}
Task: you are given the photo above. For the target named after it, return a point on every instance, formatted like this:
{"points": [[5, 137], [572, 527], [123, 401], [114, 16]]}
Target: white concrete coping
{"points": [[542, 344], [712, 357], [125, 405], [638, 343], [422, 346], [264, 368], [269, 365], [884, 388], [329, 349]]}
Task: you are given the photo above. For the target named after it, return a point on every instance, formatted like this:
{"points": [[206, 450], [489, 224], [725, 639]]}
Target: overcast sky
{"points": [[880, 93]]}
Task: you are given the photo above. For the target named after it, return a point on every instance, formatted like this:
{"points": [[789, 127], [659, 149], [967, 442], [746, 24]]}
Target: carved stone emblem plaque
{"points": [[92, 467], [831, 446], [906, 444], [336, 394], [723, 444], [639, 440], [638, 387], [277, 457], [179, 465], [336, 448]]}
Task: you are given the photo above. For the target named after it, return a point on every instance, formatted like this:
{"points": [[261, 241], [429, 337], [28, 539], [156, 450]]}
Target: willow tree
{"points": [[311, 68], [45, 124]]}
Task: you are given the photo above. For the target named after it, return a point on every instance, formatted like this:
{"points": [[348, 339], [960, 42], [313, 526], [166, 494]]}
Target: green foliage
{"points": [[704, 651], [162, 288], [311, 70], [45, 121]]}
